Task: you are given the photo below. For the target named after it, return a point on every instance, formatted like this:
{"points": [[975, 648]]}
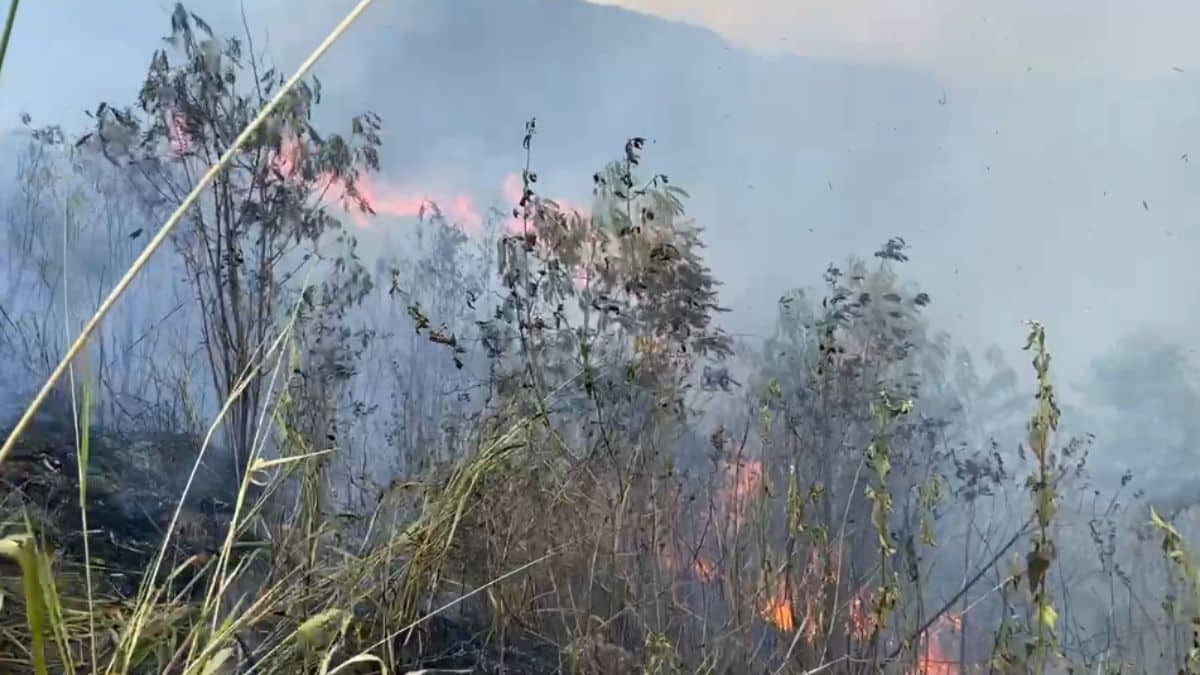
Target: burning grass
{"points": [[576, 524], [526, 552]]}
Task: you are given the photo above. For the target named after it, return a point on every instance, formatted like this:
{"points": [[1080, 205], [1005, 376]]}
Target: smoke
{"points": [[1034, 185], [1140, 400], [1039, 163], [71, 226], [957, 38], [1059, 195]]}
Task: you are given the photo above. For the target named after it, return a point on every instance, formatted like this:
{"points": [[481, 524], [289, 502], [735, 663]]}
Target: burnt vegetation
{"points": [[531, 449]]}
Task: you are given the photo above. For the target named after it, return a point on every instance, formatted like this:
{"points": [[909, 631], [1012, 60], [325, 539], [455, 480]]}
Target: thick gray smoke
{"points": [[1062, 198], [1056, 197]]}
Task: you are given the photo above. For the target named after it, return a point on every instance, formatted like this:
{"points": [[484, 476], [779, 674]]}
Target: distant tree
{"points": [[1142, 397], [623, 290], [265, 223], [72, 228], [438, 290], [834, 362], [602, 323]]}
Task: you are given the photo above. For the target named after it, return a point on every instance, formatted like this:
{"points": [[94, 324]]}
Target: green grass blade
{"points": [[8, 26], [22, 549]]}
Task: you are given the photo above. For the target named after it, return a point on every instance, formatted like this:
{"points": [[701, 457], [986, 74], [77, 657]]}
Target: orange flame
{"points": [[861, 620], [934, 658], [178, 139], [461, 209], [778, 610], [742, 480], [704, 570], [933, 661], [384, 199], [513, 188], [387, 200]]}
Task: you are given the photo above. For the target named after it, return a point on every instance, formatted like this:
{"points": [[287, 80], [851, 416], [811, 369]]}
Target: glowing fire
{"points": [[778, 610], [738, 482], [933, 661], [860, 622], [513, 188], [796, 600], [704, 570], [741, 481], [385, 199], [461, 209], [933, 657], [178, 139]]}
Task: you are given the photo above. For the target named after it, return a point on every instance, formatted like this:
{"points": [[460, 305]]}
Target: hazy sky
{"points": [[1031, 151], [959, 38]]}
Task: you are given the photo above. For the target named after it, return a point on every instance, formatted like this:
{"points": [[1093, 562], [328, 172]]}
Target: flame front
{"points": [[384, 198], [778, 610], [388, 200], [933, 657], [933, 661]]}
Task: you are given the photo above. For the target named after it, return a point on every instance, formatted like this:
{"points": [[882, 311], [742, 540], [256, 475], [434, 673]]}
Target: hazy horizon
{"points": [[1058, 193]]}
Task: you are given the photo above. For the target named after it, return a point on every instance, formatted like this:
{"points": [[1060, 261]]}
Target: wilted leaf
{"points": [[318, 631], [1047, 616], [219, 663]]}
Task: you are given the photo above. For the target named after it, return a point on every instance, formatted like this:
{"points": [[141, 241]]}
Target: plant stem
{"points": [[8, 26]]}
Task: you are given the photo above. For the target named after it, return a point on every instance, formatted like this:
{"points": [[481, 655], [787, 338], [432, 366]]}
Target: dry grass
{"points": [[531, 537]]}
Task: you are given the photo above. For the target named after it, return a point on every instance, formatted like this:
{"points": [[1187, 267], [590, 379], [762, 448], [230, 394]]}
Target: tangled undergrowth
{"points": [[583, 473], [524, 553]]}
